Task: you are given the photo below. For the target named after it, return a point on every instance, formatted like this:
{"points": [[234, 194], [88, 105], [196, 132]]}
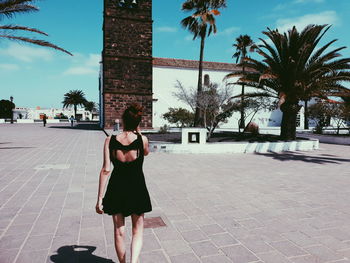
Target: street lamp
{"points": [[11, 99]]}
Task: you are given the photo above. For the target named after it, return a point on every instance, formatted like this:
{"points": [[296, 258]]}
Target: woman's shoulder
{"points": [[108, 139], [144, 138]]}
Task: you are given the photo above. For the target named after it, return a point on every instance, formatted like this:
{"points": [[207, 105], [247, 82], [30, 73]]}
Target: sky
{"points": [[37, 76]]}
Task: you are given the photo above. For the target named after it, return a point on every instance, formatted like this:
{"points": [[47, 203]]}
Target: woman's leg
{"points": [[137, 236], [119, 236]]}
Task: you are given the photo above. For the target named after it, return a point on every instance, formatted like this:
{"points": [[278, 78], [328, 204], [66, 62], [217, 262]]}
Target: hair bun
{"points": [[136, 108], [132, 116]]}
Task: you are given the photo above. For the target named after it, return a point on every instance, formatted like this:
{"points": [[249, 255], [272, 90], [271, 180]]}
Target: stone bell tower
{"points": [[126, 59]]}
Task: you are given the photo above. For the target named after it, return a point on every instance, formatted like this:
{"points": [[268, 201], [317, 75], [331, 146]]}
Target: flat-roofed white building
{"points": [[22, 113], [166, 73]]}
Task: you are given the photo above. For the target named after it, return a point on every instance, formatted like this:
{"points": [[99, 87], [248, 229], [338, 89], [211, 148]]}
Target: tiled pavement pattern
{"points": [[273, 208]]}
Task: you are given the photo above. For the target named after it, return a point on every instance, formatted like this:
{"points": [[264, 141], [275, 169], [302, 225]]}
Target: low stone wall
{"points": [[34, 121], [25, 121], [236, 147], [342, 140]]}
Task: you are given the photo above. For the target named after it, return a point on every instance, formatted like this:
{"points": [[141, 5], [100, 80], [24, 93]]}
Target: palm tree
{"points": [[90, 106], [8, 9], [75, 98], [243, 42], [294, 69], [201, 23]]}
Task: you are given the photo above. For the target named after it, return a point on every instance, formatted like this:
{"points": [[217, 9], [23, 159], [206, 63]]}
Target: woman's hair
{"points": [[132, 117]]}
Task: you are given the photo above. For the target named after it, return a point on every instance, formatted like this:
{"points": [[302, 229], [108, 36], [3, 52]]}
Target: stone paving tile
{"points": [[12, 241], [345, 253], [38, 242], [288, 249], [204, 248], [194, 236], [300, 239], [306, 259], [153, 257], [250, 223], [8, 255], [239, 254], [186, 225], [256, 244], [150, 243], [37, 256], [273, 257], [19, 229], [223, 239], [185, 258], [176, 247], [216, 259], [324, 254], [338, 233], [166, 234], [333, 243], [212, 229]]}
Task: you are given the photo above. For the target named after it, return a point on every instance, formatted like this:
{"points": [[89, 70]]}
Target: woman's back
{"points": [[126, 139]]}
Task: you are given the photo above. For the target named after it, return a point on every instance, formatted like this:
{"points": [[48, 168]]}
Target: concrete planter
{"points": [[25, 121], [53, 121], [236, 147], [342, 140]]}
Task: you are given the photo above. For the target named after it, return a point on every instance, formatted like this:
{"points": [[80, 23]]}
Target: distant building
{"points": [[37, 113]]}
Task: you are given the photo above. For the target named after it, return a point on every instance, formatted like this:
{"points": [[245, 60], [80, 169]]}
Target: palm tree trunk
{"points": [[288, 126], [242, 122], [198, 122], [289, 120], [75, 111], [306, 116]]}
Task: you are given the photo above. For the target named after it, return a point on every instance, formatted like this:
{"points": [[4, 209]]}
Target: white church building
{"points": [[166, 73]]}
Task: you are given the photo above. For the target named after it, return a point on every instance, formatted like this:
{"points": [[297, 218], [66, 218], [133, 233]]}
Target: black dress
{"points": [[126, 191]]}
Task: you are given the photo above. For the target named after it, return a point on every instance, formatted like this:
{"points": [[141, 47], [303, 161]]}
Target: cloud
{"points": [[27, 53], [307, 1], [189, 38], [93, 60], [326, 17], [166, 29], [84, 65], [227, 31], [10, 67], [80, 71], [280, 7]]}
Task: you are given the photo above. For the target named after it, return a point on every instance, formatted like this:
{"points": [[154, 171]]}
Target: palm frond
{"points": [[11, 27], [36, 42], [9, 8]]}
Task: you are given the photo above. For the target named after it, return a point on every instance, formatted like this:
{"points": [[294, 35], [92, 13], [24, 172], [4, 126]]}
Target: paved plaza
{"points": [[272, 208]]}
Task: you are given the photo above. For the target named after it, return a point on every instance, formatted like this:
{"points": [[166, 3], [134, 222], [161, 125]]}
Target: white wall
{"points": [[34, 114], [164, 80]]}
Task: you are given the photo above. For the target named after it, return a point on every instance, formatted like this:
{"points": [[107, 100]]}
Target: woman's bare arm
{"points": [[145, 145], [104, 174]]}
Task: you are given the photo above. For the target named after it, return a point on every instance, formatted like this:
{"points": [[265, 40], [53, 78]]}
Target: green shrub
{"points": [[179, 116], [164, 129]]}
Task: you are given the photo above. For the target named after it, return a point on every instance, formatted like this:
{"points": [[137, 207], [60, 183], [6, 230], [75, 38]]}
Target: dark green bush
{"points": [[179, 116]]}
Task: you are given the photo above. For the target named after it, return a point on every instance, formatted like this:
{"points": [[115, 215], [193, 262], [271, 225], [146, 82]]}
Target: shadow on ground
{"points": [[92, 126], [75, 253], [10, 148], [294, 156]]}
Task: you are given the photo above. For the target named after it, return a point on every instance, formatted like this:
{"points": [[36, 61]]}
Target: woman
{"points": [[126, 193]]}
